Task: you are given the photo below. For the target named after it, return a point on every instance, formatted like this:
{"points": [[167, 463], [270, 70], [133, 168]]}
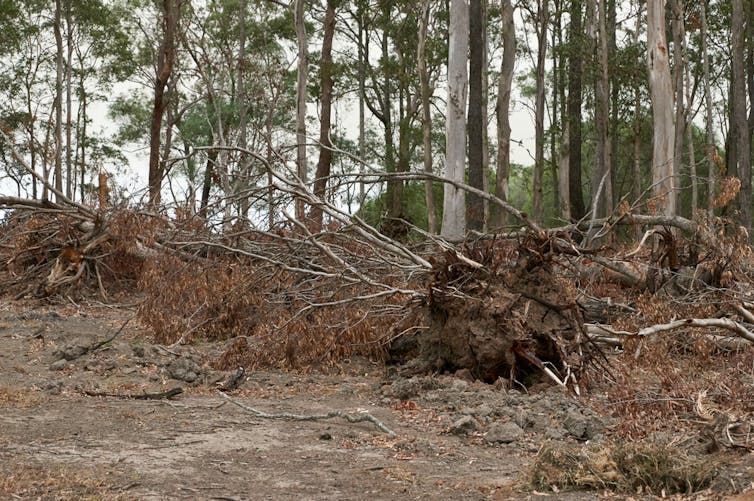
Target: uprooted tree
{"points": [[520, 305]]}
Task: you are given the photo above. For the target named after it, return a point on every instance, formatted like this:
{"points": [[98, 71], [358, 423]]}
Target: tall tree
{"points": [[539, 107], [58, 97], [738, 105], [326, 89], [426, 94], [661, 91], [165, 60], [679, 35], [301, 81], [710, 136], [475, 210], [453, 219], [497, 217], [575, 71], [602, 190]]}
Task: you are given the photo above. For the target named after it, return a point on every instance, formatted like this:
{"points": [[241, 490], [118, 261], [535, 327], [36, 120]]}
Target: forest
{"points": [[497, 228]]}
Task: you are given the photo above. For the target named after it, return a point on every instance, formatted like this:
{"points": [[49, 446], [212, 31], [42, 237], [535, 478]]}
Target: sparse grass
{"points": [[23, 399], [650, 468], [57, 483]]}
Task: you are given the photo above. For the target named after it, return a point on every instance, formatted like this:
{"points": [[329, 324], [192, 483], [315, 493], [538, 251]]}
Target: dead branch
{"points": [[611, 336], [138, 396], [351, 418]]}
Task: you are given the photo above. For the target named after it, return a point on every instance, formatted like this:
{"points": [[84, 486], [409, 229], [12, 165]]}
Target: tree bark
{"points": [[426, 94], [326, 85], [498, 216], [677, 25], [475, 205], [661, 91], [165, 62], [575, 69], [453, 221], [303, 74]]}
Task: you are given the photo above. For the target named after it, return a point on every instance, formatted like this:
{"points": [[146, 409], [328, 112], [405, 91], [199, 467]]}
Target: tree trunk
{"points": [[602, 190], [475, 205], [70, 176], [677, 24], [326, 85], [453, 220], [711, 152], [539, 108], [636, 174], [243, 169], [58, 98], [560, 114], [661, 91], [426, 94], [303, 73], [362, 97], [575, 69], [738, 104], [498, 216], [165, 62]]}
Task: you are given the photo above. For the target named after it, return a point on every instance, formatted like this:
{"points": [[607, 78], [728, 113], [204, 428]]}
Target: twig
{"points": [[351, 418]]}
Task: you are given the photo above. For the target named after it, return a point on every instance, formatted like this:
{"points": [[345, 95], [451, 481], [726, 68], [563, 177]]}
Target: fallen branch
{"points": [[351, 418], [608, 335], [138, 396]]}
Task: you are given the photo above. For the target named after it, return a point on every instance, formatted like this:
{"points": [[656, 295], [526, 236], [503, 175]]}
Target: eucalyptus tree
{"points": [[664, 181], [454, 221]]}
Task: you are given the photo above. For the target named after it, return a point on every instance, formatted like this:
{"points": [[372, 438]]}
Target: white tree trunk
{"points": [[661, 91], [454, 205]]}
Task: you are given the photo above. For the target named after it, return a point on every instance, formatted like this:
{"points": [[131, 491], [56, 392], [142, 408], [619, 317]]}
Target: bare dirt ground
{"points": [[455, 439]]}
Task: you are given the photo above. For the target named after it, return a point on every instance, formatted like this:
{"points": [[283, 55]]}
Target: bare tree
{"points": [[661, 91], [453, 219]]}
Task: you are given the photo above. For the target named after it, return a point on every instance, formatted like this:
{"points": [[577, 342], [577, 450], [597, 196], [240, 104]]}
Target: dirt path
{"points": [[455, 439]]}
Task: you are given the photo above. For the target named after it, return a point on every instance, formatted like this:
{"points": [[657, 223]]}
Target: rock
{"points": [[59, 365], [404, 389], [464, 426], [70, 351], [504, 433], [184, 369], [581, 426], [53, 387], [459, 385]]}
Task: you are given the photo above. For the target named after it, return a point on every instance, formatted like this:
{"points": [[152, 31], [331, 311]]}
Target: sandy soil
{"points": [[455, 439]]}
